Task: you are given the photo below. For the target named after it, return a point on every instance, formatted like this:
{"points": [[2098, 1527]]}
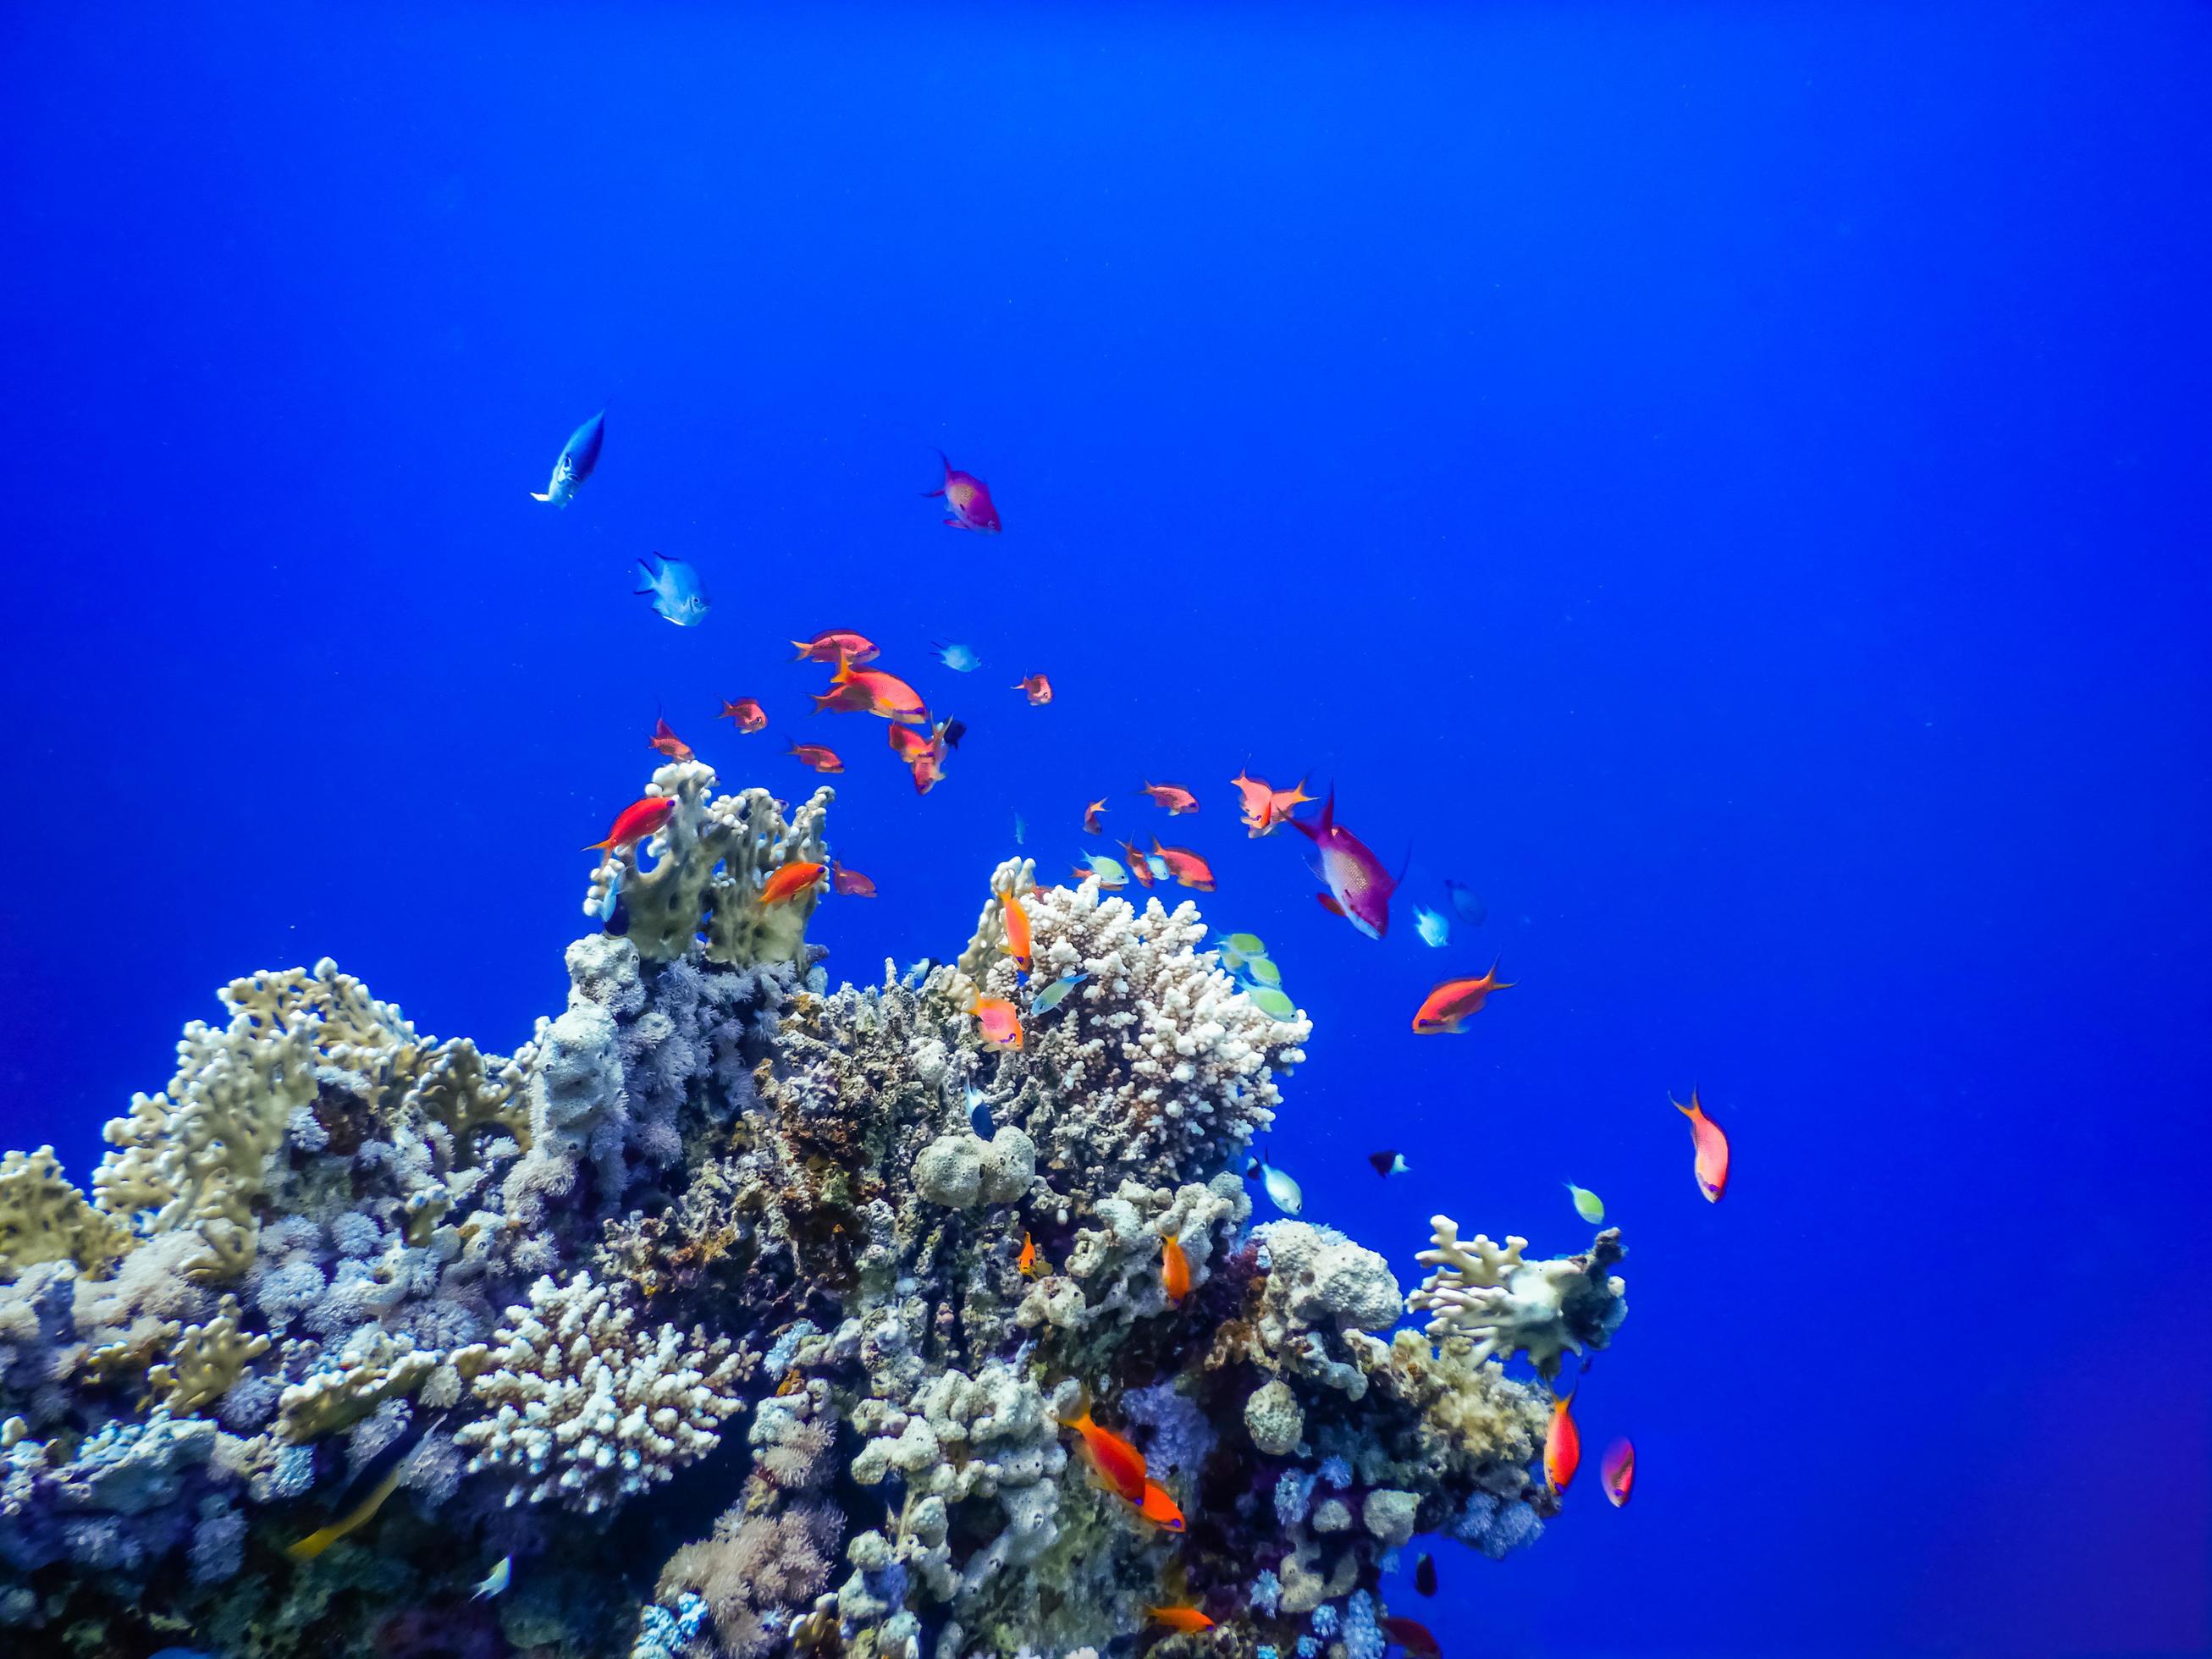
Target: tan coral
{"points": [[710, 861], [205, 1360], [44, 1218], [369, 1371], [1503, 1303]]}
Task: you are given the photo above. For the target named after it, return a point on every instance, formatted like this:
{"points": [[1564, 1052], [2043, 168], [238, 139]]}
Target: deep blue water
{"points": [[1729, 482]]}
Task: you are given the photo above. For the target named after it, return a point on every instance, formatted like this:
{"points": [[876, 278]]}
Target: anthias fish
{"points": [[1186, 867], [1359, 888], [790, 880], [1174, 1269], [1189, 1621], [968, 498], [1159, 1508], [578, 457], [745, 713], [665, 739], [1139, 866], [813, 755], [1711, 1146], [999, 1021], [1015, 922], [1411, 1635], [1450, 1006], [849, 883], [883, 694], [635, 822], [1091, 816], [836, 644], [675, 591], [1562, 1443], [1616, 1469], [1119, 1466], [1173, 796], [1025, 1263], [1038, 688]]}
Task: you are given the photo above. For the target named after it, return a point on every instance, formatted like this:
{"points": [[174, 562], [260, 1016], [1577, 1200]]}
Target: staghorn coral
{"points": [[532, 1291]]}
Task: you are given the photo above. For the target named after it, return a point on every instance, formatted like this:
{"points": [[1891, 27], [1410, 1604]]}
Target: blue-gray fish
{"points": [[1431, 925], [676, 591], [1282, 1191], [979, 1113], [578, 457], [957, 657], [1467, 901], [1049, 999], [495, 1580]]}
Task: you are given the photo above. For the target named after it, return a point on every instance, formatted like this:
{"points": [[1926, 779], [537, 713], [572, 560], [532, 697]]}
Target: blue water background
{"points": [[1729, 482]]}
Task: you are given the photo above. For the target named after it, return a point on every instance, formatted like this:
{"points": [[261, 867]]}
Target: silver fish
{"points": [[578, 457], [676, 591], [1282, 1191], [495, 1580]]}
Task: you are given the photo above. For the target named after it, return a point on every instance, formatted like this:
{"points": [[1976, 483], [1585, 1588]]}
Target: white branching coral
{"points": [[586, 1409], [709, 862], [1503, 1303], [1157, 1065]]}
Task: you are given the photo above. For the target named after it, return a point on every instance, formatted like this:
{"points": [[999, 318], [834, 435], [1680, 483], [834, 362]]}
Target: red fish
{"points": [[1562, 1443], [745, 713], [1712, 1148], [1173, 796], [1252, 795], [843, 699], [887, 694], [1016, 921], [1174, 1269], [665, 739], [838, 645], [1091, 815], [813, 755], [1119, 1465], [1448, 1007], [1159, 1508], [1138, 865], [1000, 1022], [635, 822], [791, 880], [1038, 687], [924, 756], [849, 883], [1411, 1635], [1186, 867], [1617, 1471], [969, 499], [1189, 1621], [1359, 888]]}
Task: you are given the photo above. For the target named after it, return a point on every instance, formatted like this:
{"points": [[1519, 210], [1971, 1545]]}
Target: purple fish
{"points": [[1359, 888]]}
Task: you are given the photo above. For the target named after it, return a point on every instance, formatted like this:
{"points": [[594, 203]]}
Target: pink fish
{"points": [[969, 498], [1359, 888]]}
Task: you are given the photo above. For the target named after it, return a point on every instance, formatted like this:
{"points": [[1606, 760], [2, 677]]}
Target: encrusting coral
{"points": [[740, 1259]]}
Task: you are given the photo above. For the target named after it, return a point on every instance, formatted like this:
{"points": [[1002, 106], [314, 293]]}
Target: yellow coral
{"points": [[381, 1368], [44, 1218], [204, 1360]]}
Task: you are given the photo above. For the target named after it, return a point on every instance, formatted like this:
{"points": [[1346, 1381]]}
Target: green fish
{"points": [[1263, 970], [1588, 1204], [1048, 999], [1273, 1003], [1244, 944]]}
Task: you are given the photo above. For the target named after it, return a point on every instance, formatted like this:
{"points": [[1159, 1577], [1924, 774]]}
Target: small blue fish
{"points": [[1157, 865], [676, 591], [979, 1113], [607, 905], [578, 457], [495, 1581], [957, 657], [1282, 1191], [1049, 999], [1467, 901], [1431, 926], [1021, 830]]}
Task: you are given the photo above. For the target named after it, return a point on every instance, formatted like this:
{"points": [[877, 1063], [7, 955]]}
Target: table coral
{"points": [[541, 1287]]}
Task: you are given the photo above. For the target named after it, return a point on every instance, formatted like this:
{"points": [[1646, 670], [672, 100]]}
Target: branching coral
{"points": [[1504, 1304], [44, 1218]]}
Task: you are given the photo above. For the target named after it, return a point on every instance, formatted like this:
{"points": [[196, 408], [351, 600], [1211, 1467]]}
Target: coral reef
{"points": [[725, 1253]]}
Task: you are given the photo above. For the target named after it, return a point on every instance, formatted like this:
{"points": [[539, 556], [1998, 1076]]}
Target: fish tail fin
{"points": [[1690, 1110], [541, 494], [608, 846]]}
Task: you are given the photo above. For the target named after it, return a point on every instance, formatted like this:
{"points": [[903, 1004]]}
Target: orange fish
{"points": [[1712, 1164], [813, 755], [1159, 1508], [1617, 1471], [1119, 1465], [667, 741], [1038, 687], [1017, 923], [1173, 796], [842, 699], [849, 883], [635, 822], [1411, 1635], [887, 694], [838, 645], [1563, 1444], [1138, 866], [790, 881], [1283, 803], [1186, 867], [1189, 1621], [1026, 1262], [909, 744], [1001, 1024], [1448, 1007], [1252, 797], [1174, 1269], [745, 713], [925, 758], [1091, 814]]}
